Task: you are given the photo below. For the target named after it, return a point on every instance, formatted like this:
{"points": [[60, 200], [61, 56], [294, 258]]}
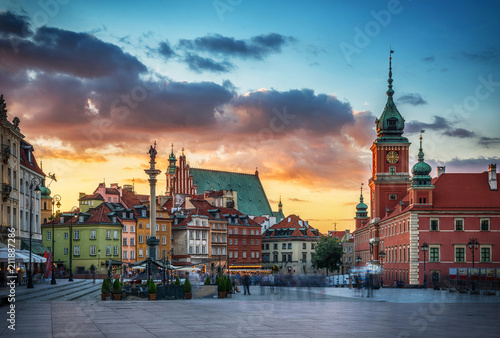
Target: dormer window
{"points": [[392, 123]]}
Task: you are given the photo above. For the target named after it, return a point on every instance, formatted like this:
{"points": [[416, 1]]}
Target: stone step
{"points": [[66, 293], [41, 291]]}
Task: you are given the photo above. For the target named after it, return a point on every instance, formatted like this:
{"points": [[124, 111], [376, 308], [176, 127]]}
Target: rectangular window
{"points": [[251, 232], [459, 224], [304, 257], [125, 256], [235, 241], [198, 249], [65, 235], [76, 234], [108, 234], [244, 232], [190, 249], [257, 242], [289, 245], [213, 238], [244, 254], [213, 251], [485, 224], [312, 246], [392, 171], [303, 245], [251, 242], [236, 254], [115, 234], [275, 246], [230, 241], [92, 234], [115, 250], [132, 228], [132, 254], [485, 254], [275, 257], [204, 234], [230, 254], [434, 254], [140, 225], [49, 235], [434, 225], [141, 254], [66, 251], [147, 225], [163, 227], [244, 241], [92, 250], [125, 241], [204, 249], [77, 250], [163, 240], [283, 246], [197, 234], [459, 254], [230, 231], [124, 228], [108, 250], [141, 238], [283, 258], [253, 254], [132, 241]]}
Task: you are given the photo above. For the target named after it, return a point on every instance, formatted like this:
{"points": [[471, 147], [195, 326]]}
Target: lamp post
{"points": [[73, 214], [56, 200], [473, 246], [98, 261], [358, 260], [424, 247], [381, 254], [33, 184]]}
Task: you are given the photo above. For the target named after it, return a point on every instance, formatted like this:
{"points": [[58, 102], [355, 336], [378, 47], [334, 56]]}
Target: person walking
{"points": [[271, 283], [246, 284]]}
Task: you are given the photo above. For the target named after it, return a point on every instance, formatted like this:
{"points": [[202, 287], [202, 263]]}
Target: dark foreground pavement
{"points": [[293, 313]]}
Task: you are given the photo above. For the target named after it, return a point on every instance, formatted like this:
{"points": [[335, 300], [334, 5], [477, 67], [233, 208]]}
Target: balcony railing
{"points": [[6, 190], [5, 153]]}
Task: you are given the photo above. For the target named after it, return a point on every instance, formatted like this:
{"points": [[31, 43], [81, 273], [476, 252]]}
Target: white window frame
{"points": [[484, 246], [455, 224], [76, 250], [462, 246], [481, 224]]}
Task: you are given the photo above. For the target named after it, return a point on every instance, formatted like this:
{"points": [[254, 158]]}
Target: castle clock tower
{"points": [[390, 159]]}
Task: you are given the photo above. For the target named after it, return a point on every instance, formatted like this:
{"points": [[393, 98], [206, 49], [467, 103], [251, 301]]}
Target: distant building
{"points": [[248, 197], [289, 246]]}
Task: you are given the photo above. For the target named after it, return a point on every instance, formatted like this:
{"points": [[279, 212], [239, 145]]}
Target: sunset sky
{"points": [[290, 87]]}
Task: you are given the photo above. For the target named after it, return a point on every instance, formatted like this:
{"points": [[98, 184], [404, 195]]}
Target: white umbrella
{"points": [[4, 255]]}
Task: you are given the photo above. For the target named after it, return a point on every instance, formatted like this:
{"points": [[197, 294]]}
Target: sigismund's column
{"points": [[152, 172]]}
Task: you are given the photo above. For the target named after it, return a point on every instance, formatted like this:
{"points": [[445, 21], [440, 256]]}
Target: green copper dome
{"points": [[361, 207], [45, 192], [421, 170]]}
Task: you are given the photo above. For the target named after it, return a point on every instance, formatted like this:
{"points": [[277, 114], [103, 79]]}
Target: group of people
{"points": [[365, 281]]}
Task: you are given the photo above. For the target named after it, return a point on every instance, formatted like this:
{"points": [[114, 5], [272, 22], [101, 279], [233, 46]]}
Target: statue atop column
{"points": [[152, 153]]}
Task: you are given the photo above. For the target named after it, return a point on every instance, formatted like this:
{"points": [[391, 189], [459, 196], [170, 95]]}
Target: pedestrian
{"points": [[271, 282], [246, 284]]}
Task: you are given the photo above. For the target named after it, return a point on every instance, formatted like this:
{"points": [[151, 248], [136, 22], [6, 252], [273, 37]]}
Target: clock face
{"points": [[392, 157]]}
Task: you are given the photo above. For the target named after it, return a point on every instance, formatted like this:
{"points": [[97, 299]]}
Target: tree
{"points": [[328, 254]]}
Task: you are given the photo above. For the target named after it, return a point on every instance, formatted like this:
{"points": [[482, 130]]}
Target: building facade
{"points": [[415, 221], [289, 245]]}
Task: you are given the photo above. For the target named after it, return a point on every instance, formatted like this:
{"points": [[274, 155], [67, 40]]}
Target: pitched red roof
{"points": [[33, 165], [112, 191], [99, 215], [291, 222], [92, 197], [260, 219]]}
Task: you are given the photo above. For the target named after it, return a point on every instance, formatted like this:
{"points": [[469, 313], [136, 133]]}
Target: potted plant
{"points": [[222, 288], [207, 281], [229, 286], [104, 289], [187, 289], [177, 280], [117, 290], [152, 290]]}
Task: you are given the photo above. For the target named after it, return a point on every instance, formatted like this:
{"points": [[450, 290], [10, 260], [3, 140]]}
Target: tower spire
{"points": [[390, 91]]}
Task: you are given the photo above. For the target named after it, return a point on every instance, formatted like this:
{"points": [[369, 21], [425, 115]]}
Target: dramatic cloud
{"points": [[58, 51], [440, 123], [165, 50], [489, 141], [14, 25], [198, 64], [256, 47], [460, 132], [413, 99], [280, 113], [489, 55]]}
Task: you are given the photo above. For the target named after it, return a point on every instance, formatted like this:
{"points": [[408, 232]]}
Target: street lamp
{"points": [[381, 254], [98, 261], [473, 246], [73, 214], [424, 248], [56, 200], [35, 183], [358, 260]]}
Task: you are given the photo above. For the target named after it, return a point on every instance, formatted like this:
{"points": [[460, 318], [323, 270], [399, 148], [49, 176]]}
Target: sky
{"points": [[291, 88]]}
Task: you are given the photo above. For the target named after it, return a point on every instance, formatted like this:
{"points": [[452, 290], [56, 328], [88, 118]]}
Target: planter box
{"points": [[205, 291]]}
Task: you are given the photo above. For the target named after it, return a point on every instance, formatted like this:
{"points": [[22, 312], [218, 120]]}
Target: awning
{"points": [[36, 247], [21, 255]]}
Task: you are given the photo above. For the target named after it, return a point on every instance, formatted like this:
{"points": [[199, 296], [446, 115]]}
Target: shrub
{"points": [[222, 285], [105, 286], [152, 287], [207, 281], [187, 286], [177, 280], [217, 279], [117, 286], [229, 284]]}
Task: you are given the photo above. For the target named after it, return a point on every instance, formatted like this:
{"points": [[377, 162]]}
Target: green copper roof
{"points": [[45, 192], [361, 207], [390, 124], [252, 199], [421, 170]]}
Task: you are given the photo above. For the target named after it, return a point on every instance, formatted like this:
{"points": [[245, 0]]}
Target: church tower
{"points": [[361, 212], [421, 187], [390, 160], [170, 173]]}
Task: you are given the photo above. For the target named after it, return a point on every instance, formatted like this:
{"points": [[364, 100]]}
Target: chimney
{"points": [[441, 170], [492, 176]]}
